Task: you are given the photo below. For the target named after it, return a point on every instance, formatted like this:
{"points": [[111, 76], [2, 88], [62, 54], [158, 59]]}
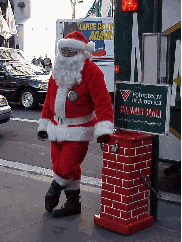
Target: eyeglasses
{"points": [[68, 52]]}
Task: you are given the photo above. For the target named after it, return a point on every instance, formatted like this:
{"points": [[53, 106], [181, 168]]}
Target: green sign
{"points": [[142, 107]]}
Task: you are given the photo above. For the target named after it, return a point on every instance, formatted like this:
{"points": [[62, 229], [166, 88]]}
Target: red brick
{"points": [[124, 221], [145, 172], [138, 196], [103, 193], [106, 216], [112, 211], [148, 177], [146, 194], [137, 211], [125, 191], [119, 166], [108, 171], [132, 220], [106, 148], [104, 178], [141, 150], [147, 141], [108, 187], [149, 148], [121, 158], [136, 159], [107, 202], [146, 156], [137, 143], [126, 215], [127, 183], [137, 182], [140, 165], [128, 167], [148, 162], [112, 164], [121, 151], [113, 196], [129, 159], [128, 229], [102, 208], [127, 175], [143, 188], [126, 199], [132, 206], [112, 141], [141, 216], [125, 144], [143, 202], [145, 209], [109, 156], [129, 152], [124, 206], [120, 206], [120, 220], [105, 163], [114, 181]]}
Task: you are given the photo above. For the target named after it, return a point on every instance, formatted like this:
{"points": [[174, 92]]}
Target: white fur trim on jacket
{"points": [[103, 127], [63, 132], [61, 181], [76, 44], [43, 124], [60, 102], [74, 185]]}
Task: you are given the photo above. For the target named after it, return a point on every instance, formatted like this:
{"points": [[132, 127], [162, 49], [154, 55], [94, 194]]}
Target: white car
{"points": [[5, 110]]}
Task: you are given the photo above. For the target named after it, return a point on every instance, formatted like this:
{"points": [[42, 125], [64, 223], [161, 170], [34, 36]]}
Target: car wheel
{"points": [[28, 98]]}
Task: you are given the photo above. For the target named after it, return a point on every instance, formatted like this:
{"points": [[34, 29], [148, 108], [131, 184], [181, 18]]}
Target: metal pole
{"points": [[100, 8], [157, 28], [157, 24], [7, 43], [73, 3], [154, 177]]}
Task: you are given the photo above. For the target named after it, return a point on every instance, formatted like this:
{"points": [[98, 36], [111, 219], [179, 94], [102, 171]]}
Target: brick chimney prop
{"points": [[124, 196]]}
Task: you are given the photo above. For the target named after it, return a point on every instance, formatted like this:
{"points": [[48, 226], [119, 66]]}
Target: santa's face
{"points": [[68, 66], [69, 52]]}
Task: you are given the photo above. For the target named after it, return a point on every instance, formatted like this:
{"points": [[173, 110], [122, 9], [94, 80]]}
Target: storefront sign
{"points": [[97, 31], [143, 108]]}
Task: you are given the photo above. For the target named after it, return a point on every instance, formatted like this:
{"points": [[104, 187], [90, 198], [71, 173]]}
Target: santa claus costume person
{"points": [[76, 90]]}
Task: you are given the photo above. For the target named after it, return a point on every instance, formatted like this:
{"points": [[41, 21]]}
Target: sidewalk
{"points": [[24, 219]]}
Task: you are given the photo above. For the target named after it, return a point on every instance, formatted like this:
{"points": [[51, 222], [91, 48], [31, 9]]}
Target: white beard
{"points": [[67, 70]]}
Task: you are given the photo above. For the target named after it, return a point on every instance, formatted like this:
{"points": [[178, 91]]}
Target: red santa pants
{"points": [[67, 157]]}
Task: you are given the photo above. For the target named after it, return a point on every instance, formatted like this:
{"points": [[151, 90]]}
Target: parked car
{"points": [[5, 110], [21, 81]]}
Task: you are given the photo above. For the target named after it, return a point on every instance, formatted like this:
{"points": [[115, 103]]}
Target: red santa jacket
{"points": [[73, 120]]}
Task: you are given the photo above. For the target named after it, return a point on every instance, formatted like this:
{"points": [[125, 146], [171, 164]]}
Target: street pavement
{"points": [[24, 219]]}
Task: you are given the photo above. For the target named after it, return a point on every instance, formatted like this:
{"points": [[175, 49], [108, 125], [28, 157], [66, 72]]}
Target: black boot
{"points": [[53, 195], [71, 207]]}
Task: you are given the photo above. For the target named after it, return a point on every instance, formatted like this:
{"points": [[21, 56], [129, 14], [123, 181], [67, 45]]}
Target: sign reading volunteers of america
{"points": [[142, 107]]}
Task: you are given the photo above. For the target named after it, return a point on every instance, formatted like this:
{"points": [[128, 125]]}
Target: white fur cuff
{"points": [[43, 124], [61, 181], [104, 127], [75, 185]]}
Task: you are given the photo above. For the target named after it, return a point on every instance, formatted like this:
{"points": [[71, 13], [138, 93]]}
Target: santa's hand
{"points": [[104, 138], [42, 135]]}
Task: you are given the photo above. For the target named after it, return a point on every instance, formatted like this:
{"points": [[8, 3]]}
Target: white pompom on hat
{"points": [[76, 40]]}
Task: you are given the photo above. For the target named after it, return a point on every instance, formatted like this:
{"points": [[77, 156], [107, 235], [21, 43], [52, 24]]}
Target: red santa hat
{"points": [[76, 40]]}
